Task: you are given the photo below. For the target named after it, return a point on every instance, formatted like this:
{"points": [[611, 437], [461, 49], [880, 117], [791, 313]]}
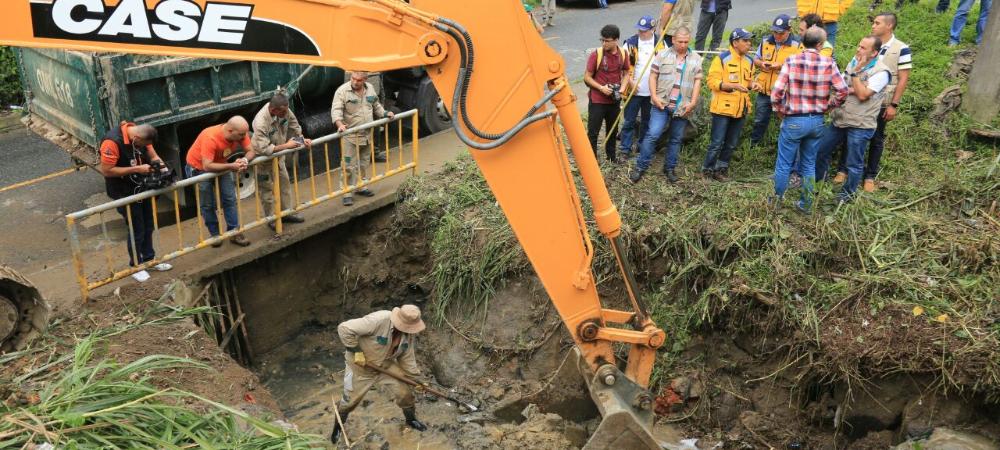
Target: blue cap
{"points": [[645, 23], [782, 23], [740, 33]]}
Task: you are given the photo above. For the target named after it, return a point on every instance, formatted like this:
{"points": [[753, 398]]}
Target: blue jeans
{"points": [[831, 32], [942, 6], [227, 192], [636, 107], [761, 118], [853, 159], [725, 137], [964, 6], [798, 133], [661, 120]]}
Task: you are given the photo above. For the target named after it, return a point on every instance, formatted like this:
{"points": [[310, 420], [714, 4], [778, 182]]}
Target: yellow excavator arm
{"points": [[505, 86]]}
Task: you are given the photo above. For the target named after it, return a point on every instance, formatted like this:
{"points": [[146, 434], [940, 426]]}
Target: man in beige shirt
{"points": [[275, 128], [354, 104]]}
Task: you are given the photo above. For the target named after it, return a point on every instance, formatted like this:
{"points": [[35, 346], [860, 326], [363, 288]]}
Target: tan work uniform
{"points": [[269, 131], [372, 334], [356, 110]]}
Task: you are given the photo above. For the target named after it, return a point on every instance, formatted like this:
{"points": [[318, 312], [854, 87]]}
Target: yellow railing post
{"points": [[416, 143], [276, 188], [74, 244]]}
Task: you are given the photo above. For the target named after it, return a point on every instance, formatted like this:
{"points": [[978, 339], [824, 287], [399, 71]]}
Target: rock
{"points": [[496, 392], [947, 439], [922, 415], [576, 434]]}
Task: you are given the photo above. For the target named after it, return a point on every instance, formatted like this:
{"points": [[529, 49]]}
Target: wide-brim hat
{"points": [[407, 319]]}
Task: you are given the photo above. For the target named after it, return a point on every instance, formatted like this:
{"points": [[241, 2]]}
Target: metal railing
{"points": [[396, 161]]}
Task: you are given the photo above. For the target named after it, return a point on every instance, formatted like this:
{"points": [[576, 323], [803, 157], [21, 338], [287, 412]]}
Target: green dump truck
{"points": [[84, 94]]}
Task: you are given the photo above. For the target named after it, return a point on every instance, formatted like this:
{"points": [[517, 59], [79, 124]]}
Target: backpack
{"points": [[600, 56]]}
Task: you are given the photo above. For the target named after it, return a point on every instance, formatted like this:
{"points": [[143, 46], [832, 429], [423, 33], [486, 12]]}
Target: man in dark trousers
{"points": [[126, 154], [714, 15], [607, 68]]}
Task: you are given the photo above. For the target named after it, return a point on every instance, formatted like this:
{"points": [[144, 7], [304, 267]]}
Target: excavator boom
{"points": [[506, 88]]}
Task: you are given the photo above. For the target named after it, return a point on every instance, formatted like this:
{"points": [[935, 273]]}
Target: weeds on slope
{"points": [[917, 260]]}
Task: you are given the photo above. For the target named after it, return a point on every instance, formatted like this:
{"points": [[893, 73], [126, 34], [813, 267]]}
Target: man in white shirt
{"points": [[855, 121], [640, 49]]}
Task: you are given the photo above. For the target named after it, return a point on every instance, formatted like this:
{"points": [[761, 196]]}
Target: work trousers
{"points": [[761, 118], [717, 22], [357, 158], [725, 136], [635, 123], [358, 381], [548, 12], [227, 193], [831, 32], [852, 160], [265, 183], [661, 120], [800, 134], [603, 114], [962, 14], [141, 232], [873, 165], [942, 6]]}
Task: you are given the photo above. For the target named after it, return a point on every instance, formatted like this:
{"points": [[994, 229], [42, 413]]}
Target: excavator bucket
{"points": [[626, 409], [24, 314]]}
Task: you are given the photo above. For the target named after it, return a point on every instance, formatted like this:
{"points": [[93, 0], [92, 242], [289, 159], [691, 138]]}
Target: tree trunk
{"points": [[982, 101]]}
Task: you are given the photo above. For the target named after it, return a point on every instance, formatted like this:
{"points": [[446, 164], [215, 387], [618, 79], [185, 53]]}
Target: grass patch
{"points": [[710, 256]]}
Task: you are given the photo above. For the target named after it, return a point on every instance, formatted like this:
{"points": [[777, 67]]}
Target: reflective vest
{"points": [[776, 54], [828, 10], [730, 68], [857, 114]]}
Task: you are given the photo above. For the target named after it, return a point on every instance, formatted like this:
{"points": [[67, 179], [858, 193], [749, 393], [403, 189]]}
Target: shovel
{"points": [[423, 386]]}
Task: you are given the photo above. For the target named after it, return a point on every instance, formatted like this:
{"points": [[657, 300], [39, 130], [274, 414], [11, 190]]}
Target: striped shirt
{"points": [[806, 83]]}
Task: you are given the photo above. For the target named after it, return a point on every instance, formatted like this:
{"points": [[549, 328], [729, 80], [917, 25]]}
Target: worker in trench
{"points": [[385, 339]]}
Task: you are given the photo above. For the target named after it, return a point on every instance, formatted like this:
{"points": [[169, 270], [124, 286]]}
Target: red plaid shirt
{"points": [[805, 83]]}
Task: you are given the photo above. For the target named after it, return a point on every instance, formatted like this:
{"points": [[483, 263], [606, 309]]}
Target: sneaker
{"points": [[635, 176], [952, 43], [293, 218], [162, 267], [706, 173], [795, 181], [217, 244], [365, 192], [141, 276], [348, 201], [800, 206], [240, 240], [840, 178], [721, 175], [671, 176], [869, 185]]}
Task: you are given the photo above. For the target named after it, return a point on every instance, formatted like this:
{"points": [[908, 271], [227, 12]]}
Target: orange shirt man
{"points": [[210, 153]]}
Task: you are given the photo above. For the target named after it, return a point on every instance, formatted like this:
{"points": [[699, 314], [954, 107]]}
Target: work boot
{"points": [[707, 174], [411, 419], [365, 192], [869, 185], [840, 178], [721, 175], [293, 218], [671, 176], [380, 157], [240, 240], [635, 176], [336, 427]]}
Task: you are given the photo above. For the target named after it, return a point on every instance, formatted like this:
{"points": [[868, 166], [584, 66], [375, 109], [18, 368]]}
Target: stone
{"points": [[947, 439], [922, 415], [576, 434]]}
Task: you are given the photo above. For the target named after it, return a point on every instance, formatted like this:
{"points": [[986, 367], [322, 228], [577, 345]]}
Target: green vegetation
{"points": [[905, 279], [10, 83], [84, 401]]}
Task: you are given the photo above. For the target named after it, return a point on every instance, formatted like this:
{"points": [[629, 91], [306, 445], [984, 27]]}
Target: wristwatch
{"points": [[894, 105]]}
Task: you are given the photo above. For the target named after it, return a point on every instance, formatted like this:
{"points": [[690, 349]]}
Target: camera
{"points": [[300, 140], [616, 91], [159, 177]]}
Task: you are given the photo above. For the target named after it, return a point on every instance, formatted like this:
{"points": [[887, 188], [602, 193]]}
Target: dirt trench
{"points": [[730, 388]]}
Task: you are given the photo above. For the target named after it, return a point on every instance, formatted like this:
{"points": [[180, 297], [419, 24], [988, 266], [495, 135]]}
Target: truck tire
{"points": [[24, 314], [433, 115]]}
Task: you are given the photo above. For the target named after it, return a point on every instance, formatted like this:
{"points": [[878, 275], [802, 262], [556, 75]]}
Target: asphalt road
{"points": [[577, 24]]}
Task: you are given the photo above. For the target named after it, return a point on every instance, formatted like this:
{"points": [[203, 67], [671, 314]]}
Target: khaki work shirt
{"points": [[269, 131], [356, 110], [372, 334]]}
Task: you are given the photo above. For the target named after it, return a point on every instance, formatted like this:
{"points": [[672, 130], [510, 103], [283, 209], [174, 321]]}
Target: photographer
{"points": [[607, 67], [275, 128], [127, 156]]}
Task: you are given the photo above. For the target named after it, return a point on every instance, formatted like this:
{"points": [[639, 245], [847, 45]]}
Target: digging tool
{"points": [[424, 386]]}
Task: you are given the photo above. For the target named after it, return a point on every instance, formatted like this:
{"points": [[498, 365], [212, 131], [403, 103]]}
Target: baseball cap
{"points": [[740, 33], [645, 23], [782, 23]]}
